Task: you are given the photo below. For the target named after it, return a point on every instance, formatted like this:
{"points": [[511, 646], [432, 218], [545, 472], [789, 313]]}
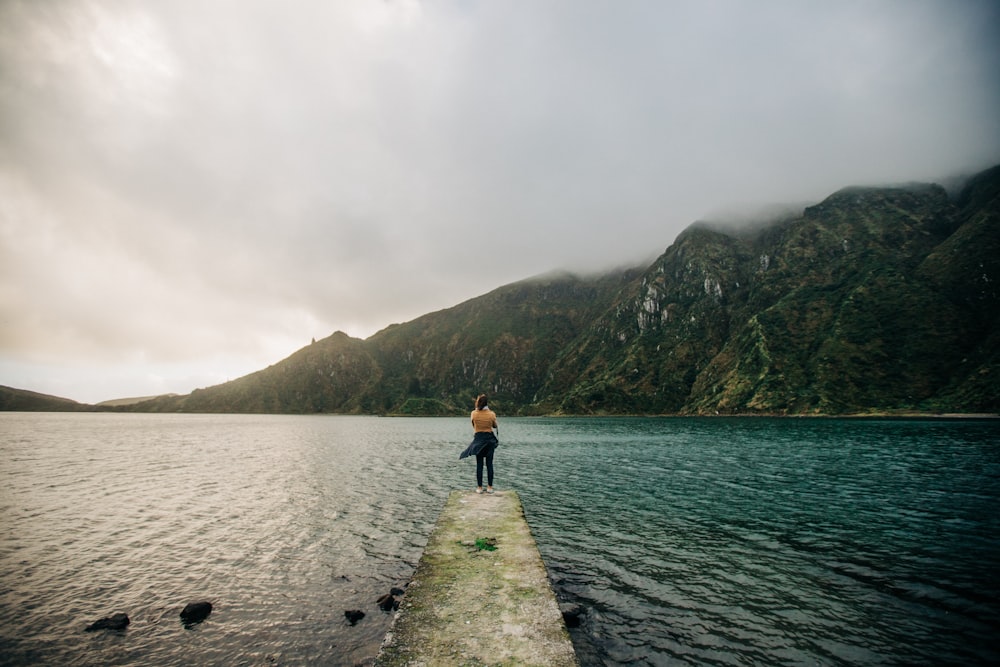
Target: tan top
{"points": [[484, 421]]}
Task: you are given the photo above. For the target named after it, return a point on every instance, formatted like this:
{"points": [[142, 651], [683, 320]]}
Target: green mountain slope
{"points": [[874, 300], [869, 301], [331, 375], [501, 342], [21, 400]]}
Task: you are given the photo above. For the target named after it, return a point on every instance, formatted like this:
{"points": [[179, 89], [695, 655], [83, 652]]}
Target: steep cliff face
{"points": [[645, 352], [876, 299], [965, 271], [833, 319], [868, 301]]}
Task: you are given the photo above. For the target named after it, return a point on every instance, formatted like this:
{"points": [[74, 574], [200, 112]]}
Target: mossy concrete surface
{"points": [[468, 605]]}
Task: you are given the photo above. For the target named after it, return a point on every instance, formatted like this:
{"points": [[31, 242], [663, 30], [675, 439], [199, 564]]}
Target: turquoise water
{"points": [[774, 541], [686, 541]]}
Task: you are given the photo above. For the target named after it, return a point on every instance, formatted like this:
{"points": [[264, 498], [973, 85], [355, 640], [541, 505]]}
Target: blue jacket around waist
{"points": [[479, 443]]}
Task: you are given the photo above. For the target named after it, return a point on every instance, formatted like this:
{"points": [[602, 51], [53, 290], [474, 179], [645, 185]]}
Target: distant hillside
{"points": [[874, 300], [120, 402], [502, 341], [21, 400]]}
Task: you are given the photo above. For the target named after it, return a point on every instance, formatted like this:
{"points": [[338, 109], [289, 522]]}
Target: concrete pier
{"points": [[480, 594]]}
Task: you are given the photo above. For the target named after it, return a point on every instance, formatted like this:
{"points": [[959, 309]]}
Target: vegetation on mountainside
{"points": [[333, 375], [826, 313], [21, 400], [876, 300]]}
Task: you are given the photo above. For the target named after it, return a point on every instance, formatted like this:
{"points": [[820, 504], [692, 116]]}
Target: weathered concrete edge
{"points": [[465, 606]]}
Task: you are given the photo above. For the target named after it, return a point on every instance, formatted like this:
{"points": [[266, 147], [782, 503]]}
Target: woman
{"points": [[483, 443]]}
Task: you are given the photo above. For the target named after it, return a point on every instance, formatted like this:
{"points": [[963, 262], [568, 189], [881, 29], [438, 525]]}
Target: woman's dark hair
{"points": [[481, 402]]}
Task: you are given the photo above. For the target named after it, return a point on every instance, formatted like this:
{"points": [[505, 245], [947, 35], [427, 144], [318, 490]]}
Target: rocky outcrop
{"points": [[195, 612], [571, 613], [390, 601], [118, 621]]}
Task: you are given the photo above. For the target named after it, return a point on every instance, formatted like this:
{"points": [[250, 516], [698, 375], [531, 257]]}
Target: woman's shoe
{"points": [[479, 489], [489, 489]]}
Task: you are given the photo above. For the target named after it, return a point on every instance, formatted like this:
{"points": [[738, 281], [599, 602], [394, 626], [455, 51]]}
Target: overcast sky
{"points": [[191, 190]]}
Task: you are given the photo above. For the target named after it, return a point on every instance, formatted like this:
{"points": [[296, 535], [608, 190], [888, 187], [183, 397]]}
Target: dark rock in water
{"points": [[195, 612], [116, 622], [354, 615], [387, 602], [397, 592], [571, 614]]}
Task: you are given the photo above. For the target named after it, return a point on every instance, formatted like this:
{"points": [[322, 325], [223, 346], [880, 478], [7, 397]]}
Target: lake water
{"points": [[687, 541]]}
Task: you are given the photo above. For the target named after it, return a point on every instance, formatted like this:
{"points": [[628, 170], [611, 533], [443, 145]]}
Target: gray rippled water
{"points": [[686, 541]]}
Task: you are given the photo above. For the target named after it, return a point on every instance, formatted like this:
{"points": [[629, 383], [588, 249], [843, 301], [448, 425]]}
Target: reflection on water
{"points": [[719, 541]]}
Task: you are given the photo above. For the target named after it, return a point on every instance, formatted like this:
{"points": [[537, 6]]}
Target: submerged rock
{"points": [[387, 602], [571, 613], [390, 601], [195, 612], [353, 615], [116, 622]]}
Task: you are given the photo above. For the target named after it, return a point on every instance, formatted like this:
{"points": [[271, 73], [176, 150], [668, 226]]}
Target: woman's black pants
{"points": [[485, 455]]}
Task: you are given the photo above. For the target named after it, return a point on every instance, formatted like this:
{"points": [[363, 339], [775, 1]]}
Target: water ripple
{"points": [[713, 542]]}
